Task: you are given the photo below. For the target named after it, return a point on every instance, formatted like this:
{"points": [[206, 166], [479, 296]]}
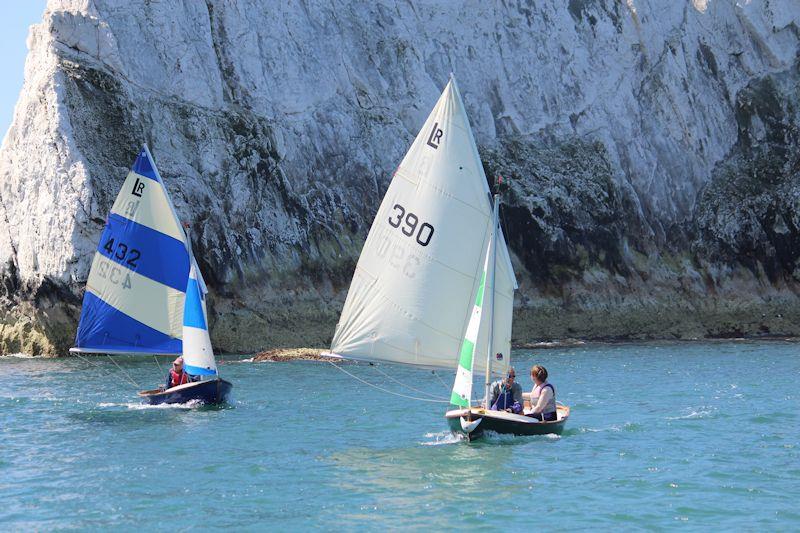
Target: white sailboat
{"points": [[426, 257], [136, 294]]}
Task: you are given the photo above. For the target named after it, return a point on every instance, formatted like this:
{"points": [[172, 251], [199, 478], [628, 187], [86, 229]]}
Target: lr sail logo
{"points": [[435, 137], [138, 187]]}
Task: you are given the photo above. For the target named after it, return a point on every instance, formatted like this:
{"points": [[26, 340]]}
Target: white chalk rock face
{"points": [[277, 126]]}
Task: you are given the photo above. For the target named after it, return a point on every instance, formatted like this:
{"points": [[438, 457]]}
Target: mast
{"points": [[492, 264]]}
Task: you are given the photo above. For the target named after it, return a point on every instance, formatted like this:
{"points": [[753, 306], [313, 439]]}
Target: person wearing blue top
{"points": [[507, 394]]}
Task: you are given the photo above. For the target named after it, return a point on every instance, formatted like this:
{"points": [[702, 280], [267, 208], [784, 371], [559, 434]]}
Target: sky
{"points": [[18, 15]]}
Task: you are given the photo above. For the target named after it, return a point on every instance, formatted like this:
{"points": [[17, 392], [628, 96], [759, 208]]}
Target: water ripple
{"points": [[688, 429]]}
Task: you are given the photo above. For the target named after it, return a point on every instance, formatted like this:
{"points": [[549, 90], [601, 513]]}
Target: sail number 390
{"points": [[410, 226]]}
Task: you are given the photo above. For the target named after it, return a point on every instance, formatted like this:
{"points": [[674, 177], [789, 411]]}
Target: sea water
{"points": [[704, 435]]}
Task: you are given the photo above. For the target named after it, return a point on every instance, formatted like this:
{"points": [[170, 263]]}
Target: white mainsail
{"points": [[412, 292]]}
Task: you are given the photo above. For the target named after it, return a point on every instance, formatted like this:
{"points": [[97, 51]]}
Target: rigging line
{"points": [[403, 384], [124, 372], [95, 365], [446, 386], [385, 390], [157, 363]]}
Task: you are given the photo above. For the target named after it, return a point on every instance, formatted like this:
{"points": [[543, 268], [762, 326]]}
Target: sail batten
{"points": [[420, 266], [135, 291]]}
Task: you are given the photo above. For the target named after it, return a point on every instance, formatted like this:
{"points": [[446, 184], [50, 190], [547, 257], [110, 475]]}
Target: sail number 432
{"points": [[409, 224], [122, 252]]}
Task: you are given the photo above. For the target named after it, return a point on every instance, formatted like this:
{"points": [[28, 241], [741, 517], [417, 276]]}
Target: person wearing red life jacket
{"points": [[176, 376]]}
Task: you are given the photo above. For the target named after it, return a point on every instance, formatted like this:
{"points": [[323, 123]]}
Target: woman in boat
{"points": [[507, 394], [543, 396]]}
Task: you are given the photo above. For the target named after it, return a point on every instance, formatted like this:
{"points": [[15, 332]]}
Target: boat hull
{"points": [[210, 392], [503, 423]]}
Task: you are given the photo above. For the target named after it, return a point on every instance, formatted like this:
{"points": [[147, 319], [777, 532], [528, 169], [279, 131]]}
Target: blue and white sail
{"points": [[198, 356], [134, 300]]}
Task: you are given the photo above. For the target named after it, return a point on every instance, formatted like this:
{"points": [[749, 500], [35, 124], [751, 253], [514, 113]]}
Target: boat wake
{"points": [[191, 404], [442, 437], [506, 438], [446, 437], [627, 426]]}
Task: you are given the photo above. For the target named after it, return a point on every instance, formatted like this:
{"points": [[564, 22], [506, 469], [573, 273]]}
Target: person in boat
{"points": [[507, 394], [176, 375], [543, 396]]}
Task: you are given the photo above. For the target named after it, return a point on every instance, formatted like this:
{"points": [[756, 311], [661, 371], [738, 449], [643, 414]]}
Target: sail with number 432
{"points": [[415, 282], [134, 300]]}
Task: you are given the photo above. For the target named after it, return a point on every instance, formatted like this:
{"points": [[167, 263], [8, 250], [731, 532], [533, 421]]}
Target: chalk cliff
{"points": [[650, 150]]}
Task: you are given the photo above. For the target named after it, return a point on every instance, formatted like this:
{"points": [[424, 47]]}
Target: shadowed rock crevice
{"points": [[563, 213], [749, 213]]}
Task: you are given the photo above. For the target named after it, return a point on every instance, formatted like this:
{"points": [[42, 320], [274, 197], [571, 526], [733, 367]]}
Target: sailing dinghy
{"points": [[144, 294], [474, 421], [198, 356], [424, 261]]}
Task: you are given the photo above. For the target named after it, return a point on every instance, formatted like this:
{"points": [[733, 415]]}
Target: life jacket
{"points": [[551, 405], [176, 379]]}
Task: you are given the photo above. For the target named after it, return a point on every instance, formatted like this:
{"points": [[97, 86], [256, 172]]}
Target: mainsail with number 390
{"points": [[414, 287]]}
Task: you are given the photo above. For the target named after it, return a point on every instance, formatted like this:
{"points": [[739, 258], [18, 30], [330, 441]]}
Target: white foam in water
{"points": [[446, 437], [700, 413], [442, 437], [504, 437], [191, 404], [598, 430]]}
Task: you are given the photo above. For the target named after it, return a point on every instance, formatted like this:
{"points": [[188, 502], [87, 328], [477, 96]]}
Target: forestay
{"points": [[420, 268], [134, 300]]}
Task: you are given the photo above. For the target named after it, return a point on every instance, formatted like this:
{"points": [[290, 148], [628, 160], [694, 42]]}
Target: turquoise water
{"points": [[702, 435]]}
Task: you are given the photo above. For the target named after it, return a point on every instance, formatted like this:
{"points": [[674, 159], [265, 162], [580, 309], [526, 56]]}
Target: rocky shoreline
{"points": [[282, 355], [543, 327]]}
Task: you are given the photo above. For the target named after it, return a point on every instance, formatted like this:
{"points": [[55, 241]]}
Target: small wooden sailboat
{"points": [[474, 421], [198, 356], [136, 294], [412, 293]]}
